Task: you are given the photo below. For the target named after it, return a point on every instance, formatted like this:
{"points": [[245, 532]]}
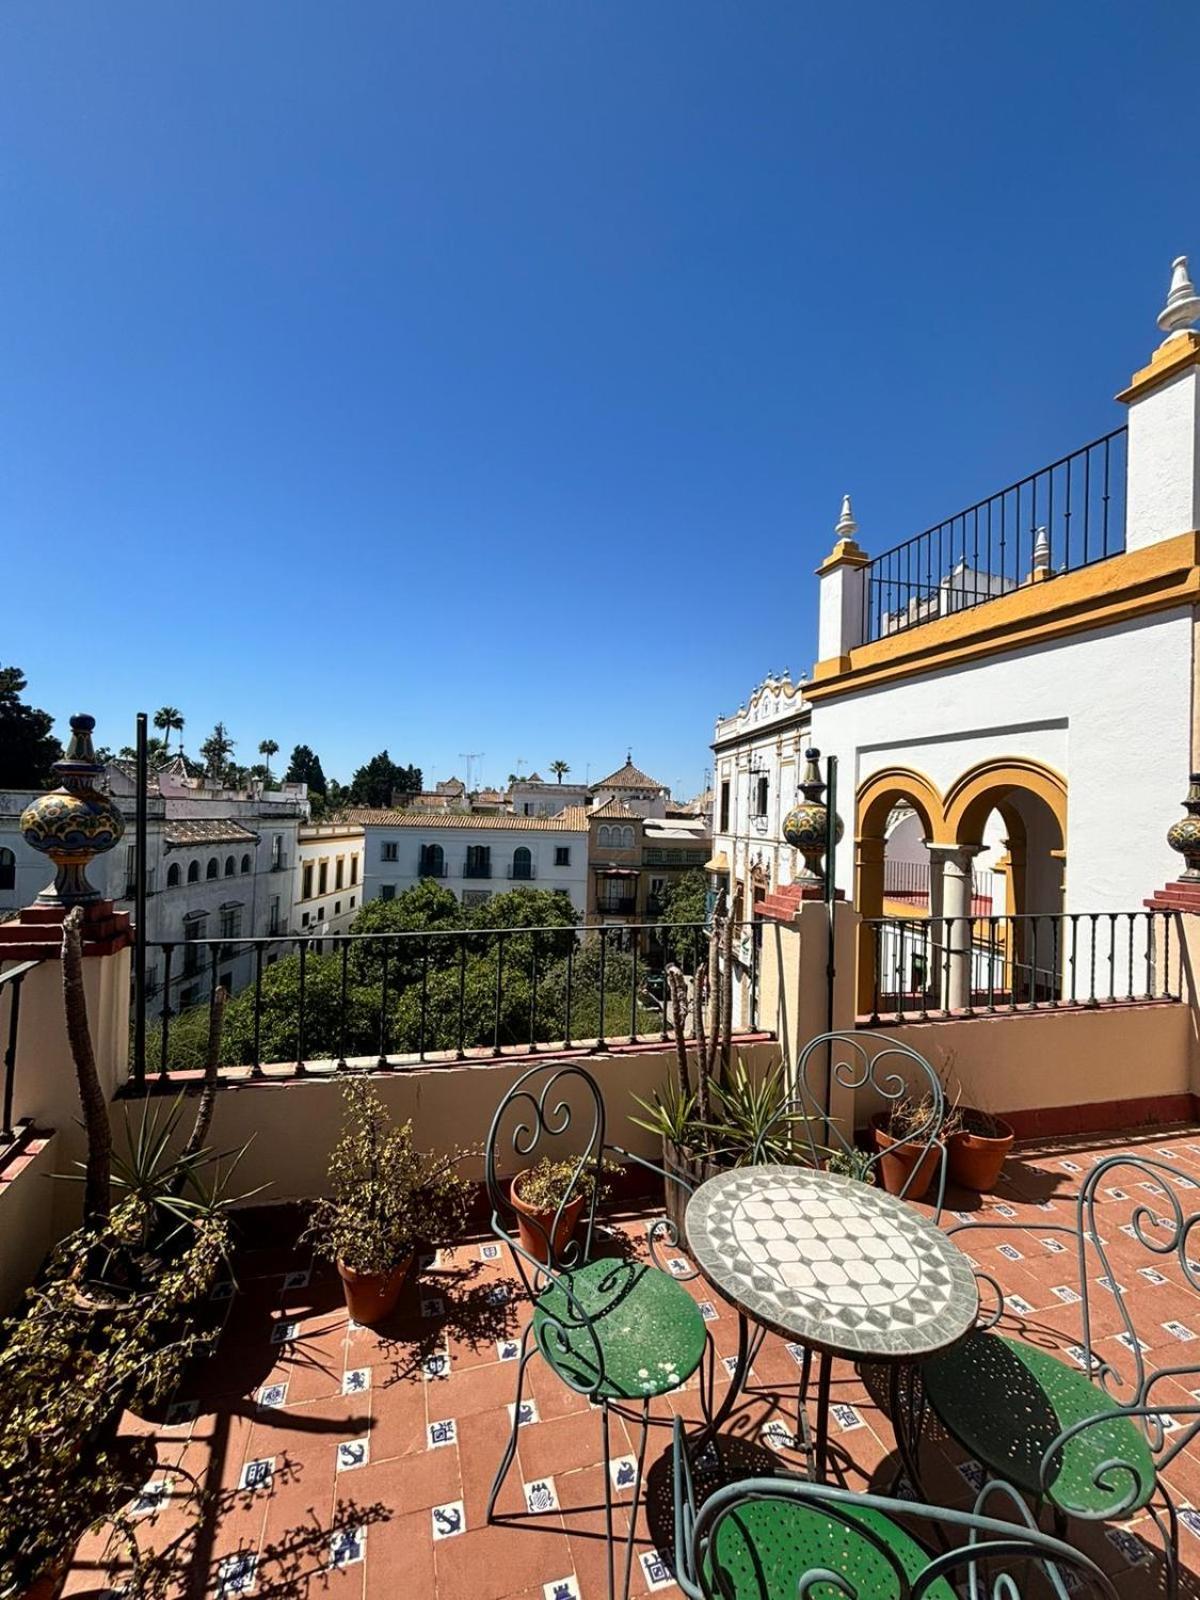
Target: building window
{"points": [[231, 922], [522, 863], [723, 825], [433, 861], [230, 866], [173, 875], [353, 871], [304, 919], [322, 877], [353, 898], [276, 852], [761, 788], [193, 872], [213, 869], [339, 872], [562, 855], [246, 863], [616, 894], [389, 850], [273, 915], [306, 884], [195, 927], [479, 862], [8, 869], [337, 908], [387, 891], [189, 996]]}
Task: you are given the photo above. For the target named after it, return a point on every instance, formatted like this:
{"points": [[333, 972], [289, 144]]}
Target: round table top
{"points": [[831, 1262]]}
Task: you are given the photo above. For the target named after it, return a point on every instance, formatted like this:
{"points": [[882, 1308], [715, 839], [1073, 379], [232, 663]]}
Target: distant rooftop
{"points": [[572, 820], [185, 831], [628, 777]]}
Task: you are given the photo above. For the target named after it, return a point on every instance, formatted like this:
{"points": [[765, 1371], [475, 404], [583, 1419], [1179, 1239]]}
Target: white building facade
{"points": [[474, 854], [327, 888]]}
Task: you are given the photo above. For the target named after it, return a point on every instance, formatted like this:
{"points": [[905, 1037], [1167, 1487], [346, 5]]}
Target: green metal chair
{"points": [[620, 1332], [1088, 1441], [779, 1538]]}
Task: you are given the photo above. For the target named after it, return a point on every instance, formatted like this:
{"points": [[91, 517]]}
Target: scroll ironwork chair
{"points": [[1090, 1441], [775, 1538], [618, 1331]]}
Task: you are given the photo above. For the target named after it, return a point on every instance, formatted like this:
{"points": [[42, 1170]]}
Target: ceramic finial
{"points": [[1183, 303], [846, 525]]}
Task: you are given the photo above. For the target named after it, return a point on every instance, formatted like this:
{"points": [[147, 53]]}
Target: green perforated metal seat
{"points": [[762, 1550], [1007, 1402], [649, 1329]]}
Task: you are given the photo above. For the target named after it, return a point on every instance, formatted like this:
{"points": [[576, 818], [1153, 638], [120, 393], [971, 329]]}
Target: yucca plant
{"points": [[752, 1122]]}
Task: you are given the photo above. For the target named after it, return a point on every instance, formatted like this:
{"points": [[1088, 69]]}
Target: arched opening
{"points": [[604, 836], [246, 863], [8, 869], [522, 863], [898, 816], [173, 875], [213, 870], [230, 866], [193, 872]]}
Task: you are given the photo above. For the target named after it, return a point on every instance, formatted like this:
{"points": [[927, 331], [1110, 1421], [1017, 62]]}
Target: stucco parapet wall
{"points": [[1136, 583], [1167, 362], [36, 935]]}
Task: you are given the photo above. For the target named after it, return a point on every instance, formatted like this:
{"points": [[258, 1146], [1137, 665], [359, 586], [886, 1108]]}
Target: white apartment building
{"points": [[218, 866], [474, 854], [629, 785], [533, 797], [327, 887]]}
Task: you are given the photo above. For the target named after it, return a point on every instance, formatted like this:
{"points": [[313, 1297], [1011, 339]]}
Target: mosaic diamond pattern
{"points": [[831, 1261]]}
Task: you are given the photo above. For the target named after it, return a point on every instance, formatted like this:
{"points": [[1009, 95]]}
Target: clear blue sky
{"points": [[485, 376]]}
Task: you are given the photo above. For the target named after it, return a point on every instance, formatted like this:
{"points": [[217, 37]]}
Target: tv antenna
{"points": [[471, 757]]}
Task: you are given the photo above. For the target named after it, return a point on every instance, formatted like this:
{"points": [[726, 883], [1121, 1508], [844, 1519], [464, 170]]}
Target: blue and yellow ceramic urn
{"points": [[74, 823], [1184, 835], [806, 825]]}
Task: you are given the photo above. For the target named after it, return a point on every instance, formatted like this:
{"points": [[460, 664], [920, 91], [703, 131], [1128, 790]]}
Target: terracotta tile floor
{"points": [[310, 1455]]}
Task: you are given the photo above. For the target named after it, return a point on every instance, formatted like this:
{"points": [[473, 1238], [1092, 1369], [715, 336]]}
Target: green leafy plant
{"points": [[545, 1185], [751, 1119], [69, 1367], [672, 1114], [388, 1196], [852, 1163]]}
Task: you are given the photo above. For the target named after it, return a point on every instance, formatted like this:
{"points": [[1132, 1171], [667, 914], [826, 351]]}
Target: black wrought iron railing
{"points": [[927, 967], [432, 869], [10, 1033], [1065, 516], [526, 871], [477, 869], [387, 1000]]}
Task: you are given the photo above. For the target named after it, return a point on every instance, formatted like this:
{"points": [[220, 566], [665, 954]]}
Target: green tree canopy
{"points": [[374, 784], [686, 901], [305, 767], [28, 749]]}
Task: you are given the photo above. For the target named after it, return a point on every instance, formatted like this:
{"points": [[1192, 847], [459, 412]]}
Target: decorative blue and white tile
{"points": [[448, 1520], [435, 1366], [1045, 1205], [353, 1453], [489, 1252], [1055, 1246], [529, 1412], [508, 1349], [285, 1332], [796, 1351], [1004, 1211], [655, 1571], [1127, 1341], [1009, 1252], [236, 1574], [1180, 1182], [1065, 1293], [299, 1279], [846, 1417], [561, 1589], [1016, 1303], [777, 1436], [1077, 1354], [431, 1261], [730, 1363], [1106, 1282], [1151, 1275], [440, 1434], [709, 1311], [972, 1473], [1152, 1188], [271, 1396], [1190, 1519], [432, 1305], [356, 1380], [540, 1496], [623, 1472], [1070, 1166], [257, 1474], [497, 1294], [1180, 1331], [181, 1412], [152, 1497], [1131, 1549], [347, 1547], [962, 1216], [678, 1267], [1117, 1194]]}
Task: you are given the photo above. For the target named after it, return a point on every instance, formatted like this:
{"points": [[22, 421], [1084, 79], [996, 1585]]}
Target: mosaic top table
{"points": [[831, 1263]]}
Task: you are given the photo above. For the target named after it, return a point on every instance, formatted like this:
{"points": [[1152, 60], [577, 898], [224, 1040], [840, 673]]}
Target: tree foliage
{"points": [[686, 901], [305, 767], [28, 749], [374, 784]]}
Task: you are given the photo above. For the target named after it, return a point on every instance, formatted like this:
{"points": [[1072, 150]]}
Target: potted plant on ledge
{"points": [[538, 1195], [910, 1156], [387, 1198]]}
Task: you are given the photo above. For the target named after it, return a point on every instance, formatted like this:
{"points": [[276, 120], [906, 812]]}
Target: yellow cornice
{"points": [[1133, 584], [845, 553], [1170, 359]]}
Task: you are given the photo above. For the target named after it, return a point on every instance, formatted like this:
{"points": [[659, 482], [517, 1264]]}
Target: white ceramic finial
{"points": [[1183, 303], [846, 525], [1041, 551]]}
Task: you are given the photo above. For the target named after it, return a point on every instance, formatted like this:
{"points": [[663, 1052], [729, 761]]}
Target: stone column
{"points": [[956, 925]]}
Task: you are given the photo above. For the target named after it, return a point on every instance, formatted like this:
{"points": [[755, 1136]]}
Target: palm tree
{"points": [[168, 720], [216, 751], [559, 769], [268, 748]]}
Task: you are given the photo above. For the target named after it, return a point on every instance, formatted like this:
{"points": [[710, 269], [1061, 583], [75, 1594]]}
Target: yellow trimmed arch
{"points": [[993, 786]]}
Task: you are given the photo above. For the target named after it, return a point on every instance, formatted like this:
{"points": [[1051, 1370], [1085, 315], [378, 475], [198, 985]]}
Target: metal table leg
{"points": [[821, 1453]]}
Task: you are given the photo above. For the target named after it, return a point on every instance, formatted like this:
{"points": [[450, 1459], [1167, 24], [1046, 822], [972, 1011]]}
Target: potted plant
{"points": [[902, 1132], [387, 1197], [68, 1375], [978, 1149], [545, 1214]]}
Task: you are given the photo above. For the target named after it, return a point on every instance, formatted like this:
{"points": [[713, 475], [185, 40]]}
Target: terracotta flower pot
{"points": [[693, 1169], [906, 1169], [371, 1296], [977, 1159], [49, 1585], [534, 1224]]}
